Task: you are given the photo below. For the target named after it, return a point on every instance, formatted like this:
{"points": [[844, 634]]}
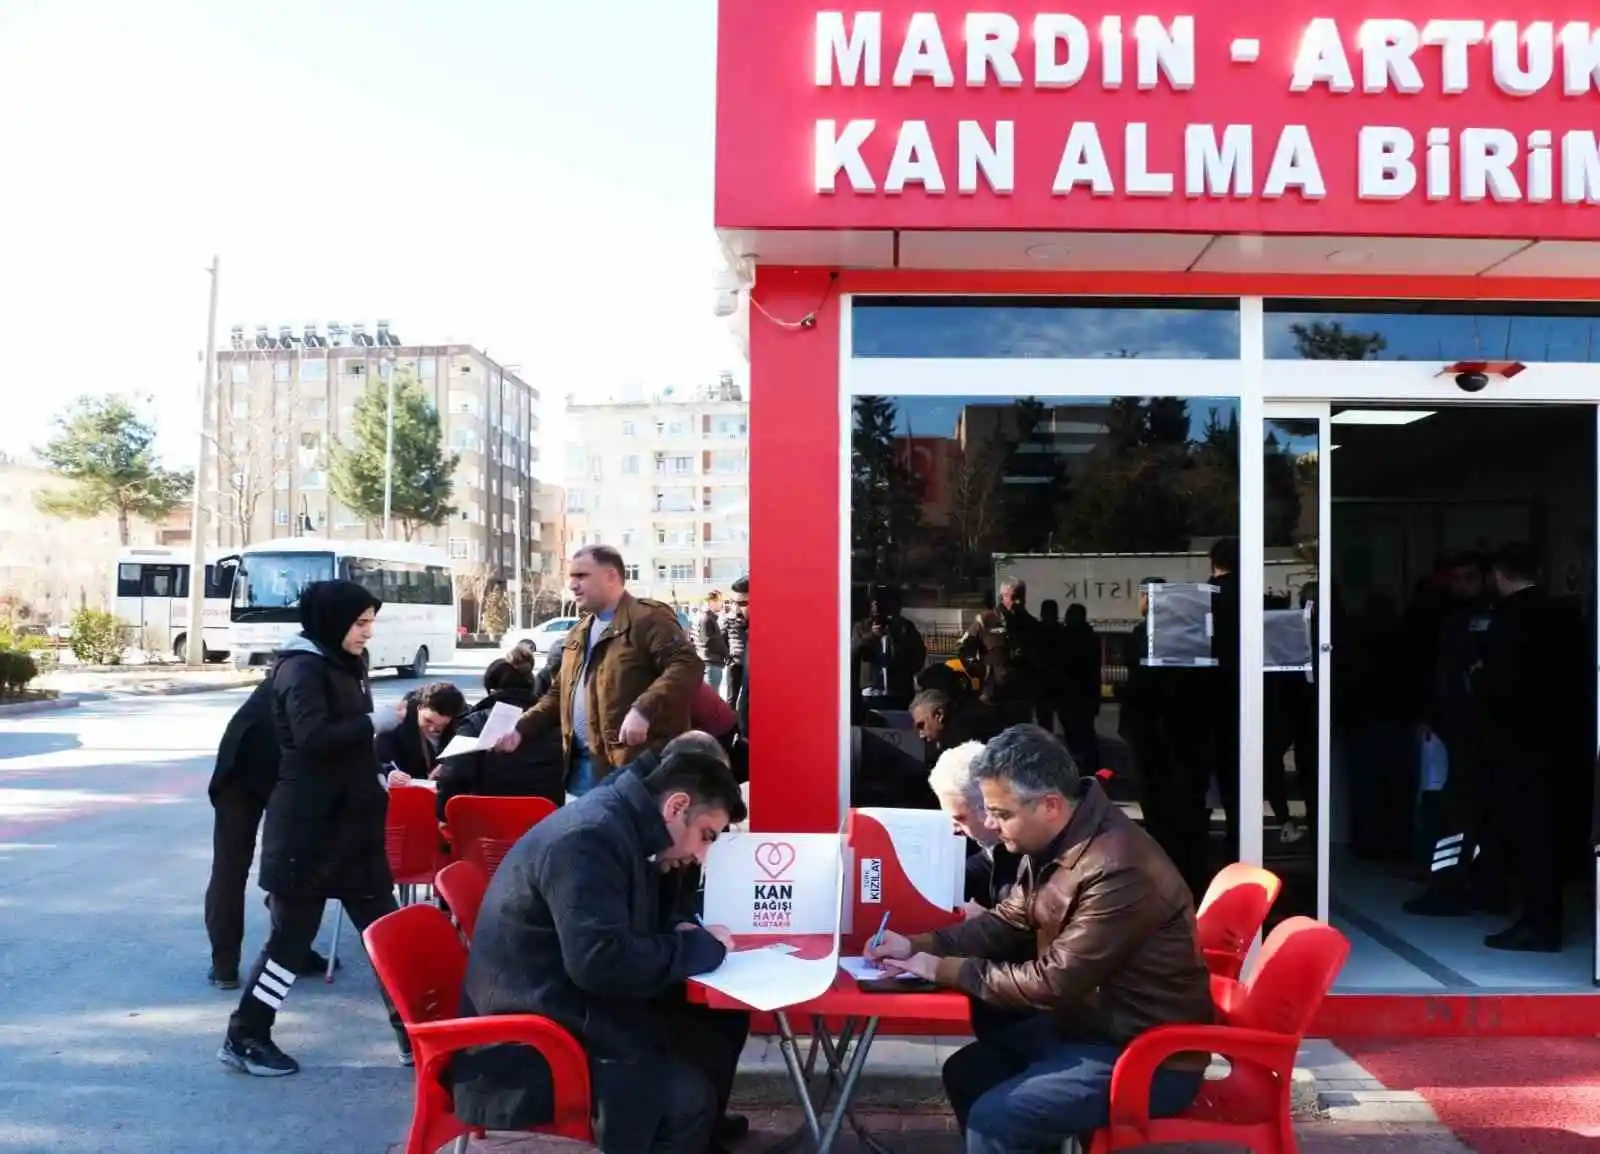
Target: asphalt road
{"points": [[108, 1028]]}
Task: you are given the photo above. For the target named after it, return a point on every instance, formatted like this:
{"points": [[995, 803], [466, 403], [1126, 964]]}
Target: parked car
{"points": [[544, 636]]}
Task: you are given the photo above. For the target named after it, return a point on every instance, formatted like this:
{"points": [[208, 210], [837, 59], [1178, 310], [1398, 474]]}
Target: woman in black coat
{"points": [[323, 835]]}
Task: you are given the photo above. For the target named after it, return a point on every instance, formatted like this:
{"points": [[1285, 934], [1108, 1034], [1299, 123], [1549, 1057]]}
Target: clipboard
{"points": [[897, 986]]}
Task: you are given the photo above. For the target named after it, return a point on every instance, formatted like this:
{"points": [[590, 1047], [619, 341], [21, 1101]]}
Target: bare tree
{"points": [[253, 447]]}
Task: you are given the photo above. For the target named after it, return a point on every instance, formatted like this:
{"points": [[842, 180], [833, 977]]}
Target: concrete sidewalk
{"points": [[1339, 1107]]}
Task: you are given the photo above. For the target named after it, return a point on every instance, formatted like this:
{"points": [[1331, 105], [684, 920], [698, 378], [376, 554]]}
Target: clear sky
{"points": [[529, 176]]}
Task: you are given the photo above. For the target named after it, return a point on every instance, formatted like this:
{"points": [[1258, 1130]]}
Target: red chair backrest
{"points": [[1297, 967], [411, 833], [462, 885], [483, 829], [1232, 913], [421, 961]]}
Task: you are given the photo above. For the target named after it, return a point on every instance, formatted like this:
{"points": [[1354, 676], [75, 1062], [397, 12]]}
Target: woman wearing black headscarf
{"points": [[323, 836]]}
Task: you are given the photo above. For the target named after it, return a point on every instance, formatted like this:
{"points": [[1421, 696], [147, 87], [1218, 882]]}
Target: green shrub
{"points": [[97, 637], [17, 669]]}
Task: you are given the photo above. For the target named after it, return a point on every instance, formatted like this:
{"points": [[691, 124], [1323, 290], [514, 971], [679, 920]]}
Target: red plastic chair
{"points": [[1232, 914], [462, 885], [411, 836], [1264, 1023], [411, 840], [421, 961], [483, 829]]}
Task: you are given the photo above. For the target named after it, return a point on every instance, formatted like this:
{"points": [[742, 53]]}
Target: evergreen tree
{"points": [[423, 472], [106, 449], [885, 499]]}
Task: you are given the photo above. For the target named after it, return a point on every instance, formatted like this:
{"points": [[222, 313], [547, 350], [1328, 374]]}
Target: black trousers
{"points": [[670, 1104], [235, 823], [295, 921], [1172, 797]]}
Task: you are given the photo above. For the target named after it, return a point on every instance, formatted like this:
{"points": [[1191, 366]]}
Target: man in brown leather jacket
{"points": [[628, 672], [1095, 945]]}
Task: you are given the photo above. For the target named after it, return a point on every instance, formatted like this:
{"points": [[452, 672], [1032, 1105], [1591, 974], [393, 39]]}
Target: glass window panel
{"points": [[1020, 328]]}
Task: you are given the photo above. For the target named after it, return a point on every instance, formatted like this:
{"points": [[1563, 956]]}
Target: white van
{"points": [[416, 626]]}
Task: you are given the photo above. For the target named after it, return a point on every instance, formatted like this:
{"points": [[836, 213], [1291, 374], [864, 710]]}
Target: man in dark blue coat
{"points": [[571, 928]]}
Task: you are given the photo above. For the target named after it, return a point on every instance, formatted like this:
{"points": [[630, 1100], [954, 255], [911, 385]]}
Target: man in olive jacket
{"points": [[628, 672], [1097, 939]]}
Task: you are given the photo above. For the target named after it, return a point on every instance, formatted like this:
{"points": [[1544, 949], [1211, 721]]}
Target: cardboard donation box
{"points": [[908, 863], [781, 896]]}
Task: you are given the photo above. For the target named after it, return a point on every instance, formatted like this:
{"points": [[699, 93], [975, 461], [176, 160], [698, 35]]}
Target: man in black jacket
{"points": [[247, 770], [588, 947]]}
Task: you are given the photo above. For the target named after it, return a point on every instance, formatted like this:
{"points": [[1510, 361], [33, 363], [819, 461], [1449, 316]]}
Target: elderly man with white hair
{"points": [[992, 869]]}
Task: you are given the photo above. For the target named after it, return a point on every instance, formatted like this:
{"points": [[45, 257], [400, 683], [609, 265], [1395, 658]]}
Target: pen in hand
{"points": [[877, 938]]}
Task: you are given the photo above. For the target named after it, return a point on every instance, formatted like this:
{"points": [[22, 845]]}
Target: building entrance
{"points": [[1450, 578]]}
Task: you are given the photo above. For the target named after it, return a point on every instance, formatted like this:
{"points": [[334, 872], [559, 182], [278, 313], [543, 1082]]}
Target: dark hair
{"points": [[1516, 561], [1225, 554], [1077, 614], [1033, 761], [742, 585], [1049, 610], [942, 679], [442, 697], [603, 555], [523, 656], [708, 782], [504, 674]]}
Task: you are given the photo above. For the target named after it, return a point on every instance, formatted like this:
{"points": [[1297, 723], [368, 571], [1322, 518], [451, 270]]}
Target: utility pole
{"points": [[194, 648], [388, 456], [517, 569]]}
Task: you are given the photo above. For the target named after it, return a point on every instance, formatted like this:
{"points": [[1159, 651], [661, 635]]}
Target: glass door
{"points": [[1296, 736]]}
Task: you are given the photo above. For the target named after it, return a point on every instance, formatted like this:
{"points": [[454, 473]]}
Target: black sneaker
{"points": [[260, 1057], [222, 978], [316, 965]]}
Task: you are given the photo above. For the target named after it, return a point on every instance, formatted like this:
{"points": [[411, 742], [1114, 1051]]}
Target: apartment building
{"points": [[283, 400], [666, 480]]}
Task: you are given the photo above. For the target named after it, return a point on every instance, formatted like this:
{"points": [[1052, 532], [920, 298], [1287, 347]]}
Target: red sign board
{"points": [[1406, 119]]}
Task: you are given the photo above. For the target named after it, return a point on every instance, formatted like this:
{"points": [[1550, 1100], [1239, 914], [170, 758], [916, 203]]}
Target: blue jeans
{"points": [[714, 678], [582, 780], [1028, 1089]]}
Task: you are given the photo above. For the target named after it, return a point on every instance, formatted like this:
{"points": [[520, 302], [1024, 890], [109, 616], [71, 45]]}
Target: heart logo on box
{"points": [[774, 858]]}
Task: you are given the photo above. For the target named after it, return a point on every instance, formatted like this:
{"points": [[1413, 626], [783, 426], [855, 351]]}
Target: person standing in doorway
{"points": [[628, 673], [1223, 719], [324, 835]]}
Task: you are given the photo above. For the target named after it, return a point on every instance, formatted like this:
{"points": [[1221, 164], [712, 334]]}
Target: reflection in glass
{"points": [[1299, 330], [1289, 730], [1000, 550], [1020, 328]]}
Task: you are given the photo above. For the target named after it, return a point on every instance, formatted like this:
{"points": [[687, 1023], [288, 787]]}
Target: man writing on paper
{"points": [[627, 674], [571, 928], [1097, 940]]}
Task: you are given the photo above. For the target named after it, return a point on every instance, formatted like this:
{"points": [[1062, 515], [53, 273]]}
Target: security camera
{"points": [[1472, 382], [725, 303]]}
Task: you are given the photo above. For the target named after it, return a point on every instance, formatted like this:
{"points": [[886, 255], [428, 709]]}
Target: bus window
{"points": [[440, 589], [161, 581], [130, 580]]}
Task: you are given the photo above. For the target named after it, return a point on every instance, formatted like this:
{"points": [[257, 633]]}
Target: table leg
{"points": [[790, 1049], [855, 1062]]}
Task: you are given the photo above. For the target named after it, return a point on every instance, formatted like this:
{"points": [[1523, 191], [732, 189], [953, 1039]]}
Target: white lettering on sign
{"points": [[915, 160], [1373, 57], [850, 50]]}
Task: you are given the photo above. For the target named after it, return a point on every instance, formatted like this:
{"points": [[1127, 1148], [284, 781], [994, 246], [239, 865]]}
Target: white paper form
{"points": [[864, 971], [932, 855], [764, 977], [502, 720]]}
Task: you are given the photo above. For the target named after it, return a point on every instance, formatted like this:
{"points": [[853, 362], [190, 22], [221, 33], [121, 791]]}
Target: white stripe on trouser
{"points": [[272, 987]]}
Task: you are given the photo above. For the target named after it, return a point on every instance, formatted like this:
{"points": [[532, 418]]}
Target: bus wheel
{"points": [[180, 648], [418, 666]]}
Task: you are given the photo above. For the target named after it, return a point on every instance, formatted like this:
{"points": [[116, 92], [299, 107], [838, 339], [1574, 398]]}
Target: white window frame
{"points": [[1283, 388]]}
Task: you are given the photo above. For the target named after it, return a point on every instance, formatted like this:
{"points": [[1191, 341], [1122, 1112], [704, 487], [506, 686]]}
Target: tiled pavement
{"points": [[901, 1104]]}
